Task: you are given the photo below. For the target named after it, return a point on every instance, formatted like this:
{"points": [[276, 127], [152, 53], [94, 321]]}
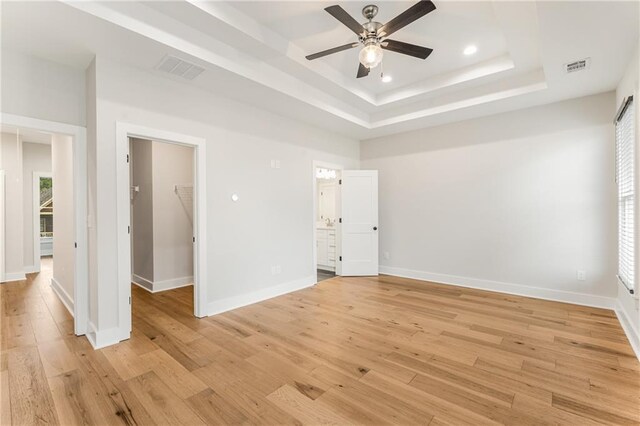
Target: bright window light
{"points": [[325, 174]]}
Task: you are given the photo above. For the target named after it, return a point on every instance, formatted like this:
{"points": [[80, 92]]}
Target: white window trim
{"points": [[627, 111]]}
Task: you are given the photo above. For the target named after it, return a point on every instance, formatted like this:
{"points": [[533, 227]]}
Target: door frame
{"points": [[124, 131], [81, 255], [36, 217], [325, 165]]}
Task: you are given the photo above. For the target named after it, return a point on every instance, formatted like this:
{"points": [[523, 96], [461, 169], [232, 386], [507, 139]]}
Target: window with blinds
{"points": [[625, 147]]}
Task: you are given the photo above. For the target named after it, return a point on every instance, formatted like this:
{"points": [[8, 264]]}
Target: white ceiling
{"points": [[307, 25], [254, 51]]}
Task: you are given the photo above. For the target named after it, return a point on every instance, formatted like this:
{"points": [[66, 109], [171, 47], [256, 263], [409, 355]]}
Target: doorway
{"points": [[73, 277], [191, 199], [345, 221], [327, 217], [162, 260]]}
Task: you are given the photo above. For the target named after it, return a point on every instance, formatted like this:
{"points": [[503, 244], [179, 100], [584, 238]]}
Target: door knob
{"points": [[375, 228]]}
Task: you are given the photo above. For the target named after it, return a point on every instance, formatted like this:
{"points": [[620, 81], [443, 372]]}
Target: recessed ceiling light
{"points": [[386, 79], [470, 50]]}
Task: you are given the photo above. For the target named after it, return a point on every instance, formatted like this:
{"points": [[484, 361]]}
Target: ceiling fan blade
{"points": [[416, 11], [330, 51], [341, 15], [362, 71], [406, 48]]}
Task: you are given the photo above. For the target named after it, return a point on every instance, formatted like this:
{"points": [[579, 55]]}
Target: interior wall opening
{"points": [[39, 211], [327, 218], [162, 224]]}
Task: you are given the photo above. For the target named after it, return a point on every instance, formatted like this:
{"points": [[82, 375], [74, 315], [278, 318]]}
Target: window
{"points": [[625, 147]]}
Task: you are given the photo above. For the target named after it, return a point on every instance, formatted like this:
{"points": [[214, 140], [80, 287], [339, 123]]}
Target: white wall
{"points": [[511, 202], [628, 305], [172, 221], [11, 163], [272, 222], [36, 158], [38, 88], [63, 224]]}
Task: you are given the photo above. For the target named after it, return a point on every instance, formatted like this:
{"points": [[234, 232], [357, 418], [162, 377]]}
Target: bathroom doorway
{"points": [[326, 220]]}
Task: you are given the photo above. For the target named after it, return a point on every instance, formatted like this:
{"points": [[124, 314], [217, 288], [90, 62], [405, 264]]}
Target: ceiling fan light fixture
{"points": [[371, 55]]}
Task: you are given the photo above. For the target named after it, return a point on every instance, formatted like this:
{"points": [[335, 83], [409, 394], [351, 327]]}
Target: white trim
{"points": [[633, 334], [62, 294], [13, 276], [35, 196], [81, 265], [104, 338], [171, 284], [502, 287], [142, 282], [234, 302], [314, 222], [32, 269], [124, 131], [160, 286]]}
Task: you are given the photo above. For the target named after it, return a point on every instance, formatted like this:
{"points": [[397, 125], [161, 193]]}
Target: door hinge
{"points": [[75, 245], [340, 220], [340, 182], [194, 239], [129, 299], [340, 258], [129, 229], [127, 158]]}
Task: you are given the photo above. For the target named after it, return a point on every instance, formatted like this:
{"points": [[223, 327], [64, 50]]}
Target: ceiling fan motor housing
{"points": [[370, 11], [374, 35]]}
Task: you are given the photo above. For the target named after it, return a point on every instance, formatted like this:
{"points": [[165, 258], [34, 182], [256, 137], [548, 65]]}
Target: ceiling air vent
{"points": [[576, 66], [180, 68]]}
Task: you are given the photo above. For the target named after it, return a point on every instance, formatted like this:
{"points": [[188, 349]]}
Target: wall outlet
{"points": [[386, 255], [581, 275], [275, 164], [276, 269]]}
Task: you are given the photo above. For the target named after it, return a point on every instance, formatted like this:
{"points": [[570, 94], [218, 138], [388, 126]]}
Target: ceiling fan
{"points": [[373, 35]]}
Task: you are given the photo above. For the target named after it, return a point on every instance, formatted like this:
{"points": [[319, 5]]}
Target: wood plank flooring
{"points": [[372, 351]]}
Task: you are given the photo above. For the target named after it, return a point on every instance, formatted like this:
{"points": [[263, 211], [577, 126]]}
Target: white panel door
{"points": [[359, 227]]}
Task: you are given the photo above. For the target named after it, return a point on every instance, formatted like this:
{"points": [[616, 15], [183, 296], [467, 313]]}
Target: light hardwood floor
{"points": [[361, 350]]}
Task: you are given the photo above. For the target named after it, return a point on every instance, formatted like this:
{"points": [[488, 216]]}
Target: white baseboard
{"points": [[172, 284], [31, 269], [158, 286], [234, 302], [633, 334], [13, 276], [62, 294], [104, 338], [502, 287], [142, 282]]}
